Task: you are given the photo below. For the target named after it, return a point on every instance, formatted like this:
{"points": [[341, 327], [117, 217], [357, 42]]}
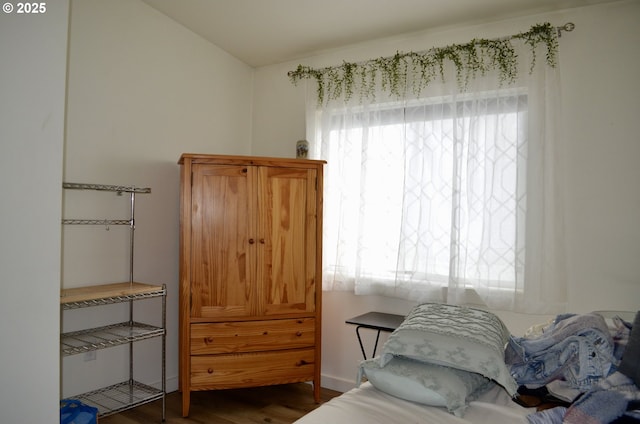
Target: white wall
{"points": [[600, 64], [32, 83], [142, 90]]}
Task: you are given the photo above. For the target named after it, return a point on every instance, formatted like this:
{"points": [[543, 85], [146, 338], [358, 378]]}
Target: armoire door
{"points": [[287, 240], [223, 232]]}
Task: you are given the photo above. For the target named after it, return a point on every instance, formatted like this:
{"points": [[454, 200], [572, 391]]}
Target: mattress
{"points": [[367, 405]]}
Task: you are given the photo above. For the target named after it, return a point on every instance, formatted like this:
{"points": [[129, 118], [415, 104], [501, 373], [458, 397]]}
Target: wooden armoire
{"points": [[250, 272]]}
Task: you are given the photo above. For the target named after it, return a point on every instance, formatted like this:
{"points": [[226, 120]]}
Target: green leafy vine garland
{"points": [[416, 70]]}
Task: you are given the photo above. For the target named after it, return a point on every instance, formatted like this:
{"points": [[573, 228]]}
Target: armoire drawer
{"points": [[251, 336], [251, 369]]}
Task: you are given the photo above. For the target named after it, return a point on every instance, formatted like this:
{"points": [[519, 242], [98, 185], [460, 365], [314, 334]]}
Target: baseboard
{"points": [[336, 383], [172, 384], [330, 382]]}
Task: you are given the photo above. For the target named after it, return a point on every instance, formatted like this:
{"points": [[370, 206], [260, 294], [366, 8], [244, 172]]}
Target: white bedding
{"points": [[367, 405]]}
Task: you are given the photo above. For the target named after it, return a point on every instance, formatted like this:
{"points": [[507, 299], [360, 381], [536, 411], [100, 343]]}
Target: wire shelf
{"points": [[119, 397], [122, 396], [125, 292], [108, 336]]}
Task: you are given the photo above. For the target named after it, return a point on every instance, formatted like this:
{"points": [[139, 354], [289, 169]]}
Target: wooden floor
{"points": [[273, 405]]}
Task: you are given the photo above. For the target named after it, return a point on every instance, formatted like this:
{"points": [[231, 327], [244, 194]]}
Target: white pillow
{"points": [[427, 384]]}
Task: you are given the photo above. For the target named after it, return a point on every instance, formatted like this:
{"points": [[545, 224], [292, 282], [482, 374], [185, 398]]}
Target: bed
{"points": [[368, 405], [446, 364]]}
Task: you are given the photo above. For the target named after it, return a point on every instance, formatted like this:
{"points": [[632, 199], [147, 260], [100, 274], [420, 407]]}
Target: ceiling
{"points": [[264, 32]]}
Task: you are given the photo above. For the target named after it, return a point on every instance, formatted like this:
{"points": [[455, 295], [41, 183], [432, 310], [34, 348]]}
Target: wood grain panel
{"points": [[222, 258], [286, 273]]}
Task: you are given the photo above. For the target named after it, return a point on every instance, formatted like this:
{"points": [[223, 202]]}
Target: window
{"points": [[419, 195]]}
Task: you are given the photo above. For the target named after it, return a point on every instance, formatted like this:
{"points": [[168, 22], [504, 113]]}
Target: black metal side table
{"points": [[378, 321]]}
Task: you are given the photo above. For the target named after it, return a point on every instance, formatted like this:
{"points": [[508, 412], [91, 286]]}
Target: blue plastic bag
{"points": [[73, 411]]}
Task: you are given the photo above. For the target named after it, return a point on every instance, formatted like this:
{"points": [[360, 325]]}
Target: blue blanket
{"points": [[609, 399]]}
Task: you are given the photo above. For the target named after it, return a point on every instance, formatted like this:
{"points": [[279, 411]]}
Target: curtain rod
{"points": [[568, 27]]}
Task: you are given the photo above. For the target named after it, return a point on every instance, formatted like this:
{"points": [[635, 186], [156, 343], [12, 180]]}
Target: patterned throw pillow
{"points": [[463, 338]]}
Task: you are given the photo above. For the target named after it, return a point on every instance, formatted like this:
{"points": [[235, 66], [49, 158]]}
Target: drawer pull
{"points": [[210, 370], [208, 340], [301, 363], [266, 333], [299, 333]]}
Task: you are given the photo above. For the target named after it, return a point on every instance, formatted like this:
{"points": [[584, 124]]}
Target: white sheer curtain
{"points": [[450, 196]]}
